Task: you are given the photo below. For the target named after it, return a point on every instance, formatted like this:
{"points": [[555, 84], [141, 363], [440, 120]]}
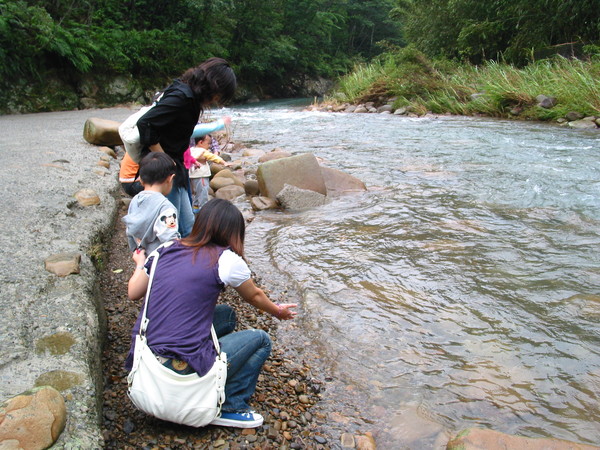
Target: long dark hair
{"points": [[218, 223], [212, 77]]}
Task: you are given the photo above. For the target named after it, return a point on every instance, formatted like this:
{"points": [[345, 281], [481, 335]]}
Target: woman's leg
{"points": [[224, 320], [179, 196], [246, 351]]}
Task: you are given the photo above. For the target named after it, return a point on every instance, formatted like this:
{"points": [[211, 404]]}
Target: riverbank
{"points": [[560, 90], [285, 393]]}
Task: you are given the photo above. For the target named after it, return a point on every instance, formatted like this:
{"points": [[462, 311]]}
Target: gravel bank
{"points": [[285, 393]]}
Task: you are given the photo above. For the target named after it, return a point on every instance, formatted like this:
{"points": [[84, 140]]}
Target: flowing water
{"points": [[462, 289]]}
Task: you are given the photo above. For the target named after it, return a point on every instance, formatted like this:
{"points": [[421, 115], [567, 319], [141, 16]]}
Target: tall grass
{"points": [[501, 90]]}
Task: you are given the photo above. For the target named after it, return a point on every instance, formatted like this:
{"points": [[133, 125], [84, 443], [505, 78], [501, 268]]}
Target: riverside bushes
{"points": [[493, 89]]}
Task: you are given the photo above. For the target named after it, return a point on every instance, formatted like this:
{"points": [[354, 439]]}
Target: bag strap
{"points": [[144, 324]]}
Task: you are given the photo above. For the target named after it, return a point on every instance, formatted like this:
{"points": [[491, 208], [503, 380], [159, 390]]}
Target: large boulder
{"points": [[302, 171], [226, 173], [102, 132], [292, 197], [230, 192], [32, 420], [338, 182], [221, 182], [477, 438]]}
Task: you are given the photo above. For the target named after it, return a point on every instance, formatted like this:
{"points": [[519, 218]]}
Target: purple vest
{"points": [[182, 303]]}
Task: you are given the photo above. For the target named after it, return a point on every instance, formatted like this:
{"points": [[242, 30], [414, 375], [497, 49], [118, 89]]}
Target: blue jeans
{"points": [[246, 351], [180, 198]]}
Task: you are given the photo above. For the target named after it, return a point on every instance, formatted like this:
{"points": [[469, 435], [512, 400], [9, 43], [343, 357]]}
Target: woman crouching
{"points": [[189, 276]]}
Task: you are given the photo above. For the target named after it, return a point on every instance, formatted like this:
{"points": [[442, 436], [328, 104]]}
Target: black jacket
{"points": [[171, 123]]}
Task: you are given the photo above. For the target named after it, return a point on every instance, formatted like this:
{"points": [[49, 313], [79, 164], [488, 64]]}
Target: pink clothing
{"points": [[188, 159]]}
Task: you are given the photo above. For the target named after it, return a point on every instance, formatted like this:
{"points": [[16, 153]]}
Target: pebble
{"points": [[320, 439]]}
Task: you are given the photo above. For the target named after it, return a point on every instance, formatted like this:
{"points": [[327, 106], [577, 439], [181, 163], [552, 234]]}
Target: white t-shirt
{"points": [[233, 270]]}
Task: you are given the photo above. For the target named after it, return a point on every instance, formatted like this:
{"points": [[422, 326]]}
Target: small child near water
{"points": [[152, 218], [200, 169]]}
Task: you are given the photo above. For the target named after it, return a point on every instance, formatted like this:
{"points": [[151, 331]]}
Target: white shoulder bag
{"points": [[186, 399], [130, 134]]}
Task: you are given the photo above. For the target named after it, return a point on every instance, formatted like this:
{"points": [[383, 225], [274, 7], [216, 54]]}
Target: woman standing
{"points": [[168, 126], [188, 279]]}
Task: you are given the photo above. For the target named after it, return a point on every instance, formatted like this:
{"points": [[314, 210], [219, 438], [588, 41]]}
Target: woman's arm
{"points": [[138, 283], [257, 298]]}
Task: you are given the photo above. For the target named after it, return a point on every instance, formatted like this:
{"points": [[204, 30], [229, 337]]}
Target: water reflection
{"points": [[463, 289]]}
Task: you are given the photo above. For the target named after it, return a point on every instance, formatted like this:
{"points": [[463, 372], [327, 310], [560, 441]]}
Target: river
{"points": [[462, 289]]}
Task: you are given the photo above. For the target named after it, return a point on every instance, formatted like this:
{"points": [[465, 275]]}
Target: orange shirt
{"points": [[129, 169]]}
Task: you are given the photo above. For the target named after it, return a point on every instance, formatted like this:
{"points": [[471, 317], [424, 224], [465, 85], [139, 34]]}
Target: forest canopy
{"points": [[272, 44], [268, 41]]}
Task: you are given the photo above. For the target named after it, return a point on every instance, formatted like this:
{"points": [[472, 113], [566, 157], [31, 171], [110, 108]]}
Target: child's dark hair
{"points": [[200, 139], [156, 167], [218, 223]]}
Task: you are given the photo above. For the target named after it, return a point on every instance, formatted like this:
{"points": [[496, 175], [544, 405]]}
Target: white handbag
{"points": [[130, 134], [159, 391]]}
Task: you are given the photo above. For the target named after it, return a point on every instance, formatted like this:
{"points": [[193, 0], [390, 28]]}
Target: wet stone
{"points": [[320, 439], [347, 440]]}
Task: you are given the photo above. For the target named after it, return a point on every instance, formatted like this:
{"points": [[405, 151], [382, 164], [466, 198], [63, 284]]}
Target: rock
{"points": [[276, 154], [588, 122], [251, 187], [400, 111], [365, 442], [516, 110], [263, 203], [292, 197], [226, 173], [219, 183], [338, 182], [360, 109], [102, 171], [102, 163], [109, 151], [347, 440], [350, 109], [573, 115], [32, 420], [320, 439], [230, 192], [302, 171], [385, 108], [476, 96], [253, 152], [102, 132], [546, 102], [304, 399], [63, 264], [87, 197], [476, 438]]}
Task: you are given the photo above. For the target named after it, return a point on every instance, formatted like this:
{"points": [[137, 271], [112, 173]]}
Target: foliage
{"points": [[511, 30], [494, 89], [269, 42]]}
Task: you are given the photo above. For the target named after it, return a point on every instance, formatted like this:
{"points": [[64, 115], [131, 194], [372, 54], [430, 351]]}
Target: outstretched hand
{"points": [[285, 312]]}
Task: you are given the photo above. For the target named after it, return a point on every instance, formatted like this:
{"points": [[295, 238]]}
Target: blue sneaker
{"points": [[239, 420]]}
